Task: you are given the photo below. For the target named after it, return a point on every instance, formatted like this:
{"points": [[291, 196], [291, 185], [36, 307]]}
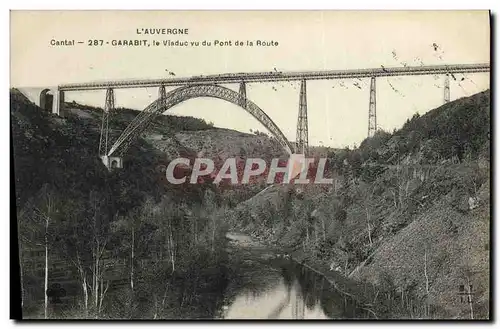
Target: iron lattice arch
{"points": [[168, 100]]}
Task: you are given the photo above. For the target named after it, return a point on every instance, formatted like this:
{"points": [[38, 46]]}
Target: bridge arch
{"points": [[46, 99], [181, 94]]}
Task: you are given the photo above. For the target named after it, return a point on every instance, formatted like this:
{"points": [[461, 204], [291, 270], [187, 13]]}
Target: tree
{"points": [[163, 217], [83, 239], [100, 238], [209, 207], [355, 161], [367, 195], [74, 240], [23, 241], [130, 229], [36, 230]]}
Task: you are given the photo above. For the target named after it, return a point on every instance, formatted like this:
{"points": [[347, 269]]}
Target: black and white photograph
{"points": [[250, 165]]}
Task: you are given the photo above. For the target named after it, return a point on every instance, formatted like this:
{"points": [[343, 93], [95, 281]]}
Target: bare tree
{"points": [[469, 288], [99, 244], [425, 273], [467, 273], [44, 209], [23, 241], [426, 283], [83, 277], [74, 242], [367, 195]]}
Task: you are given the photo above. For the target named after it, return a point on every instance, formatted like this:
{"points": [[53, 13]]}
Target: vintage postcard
{"points": [[251, 164]]}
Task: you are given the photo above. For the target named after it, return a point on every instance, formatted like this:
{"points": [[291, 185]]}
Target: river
{"points": [[274, 287]]}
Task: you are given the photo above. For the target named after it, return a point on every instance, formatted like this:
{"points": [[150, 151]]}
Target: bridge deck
{"points": [[281, 76]]}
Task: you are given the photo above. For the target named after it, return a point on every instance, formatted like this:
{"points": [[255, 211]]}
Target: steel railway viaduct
{"points": [[210, 86]]}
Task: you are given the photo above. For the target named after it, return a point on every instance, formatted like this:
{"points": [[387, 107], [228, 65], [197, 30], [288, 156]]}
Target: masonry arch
{"points": [[46, 100]]}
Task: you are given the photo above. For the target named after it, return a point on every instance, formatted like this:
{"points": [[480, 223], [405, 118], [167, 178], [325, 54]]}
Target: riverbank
{"points": [[364, 294], [290, 288]]}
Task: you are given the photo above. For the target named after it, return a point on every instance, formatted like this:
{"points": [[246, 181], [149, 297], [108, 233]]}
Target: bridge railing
{"points": [[282, 76]]}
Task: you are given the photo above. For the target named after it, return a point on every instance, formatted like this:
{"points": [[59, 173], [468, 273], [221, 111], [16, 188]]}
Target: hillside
{"points": [[126, 230], [407, 217], [184, 136], [68, 147], [409, 212], [170, 137]]}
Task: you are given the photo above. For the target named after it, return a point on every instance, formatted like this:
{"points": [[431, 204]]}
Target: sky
{"points": [[307, 40]]}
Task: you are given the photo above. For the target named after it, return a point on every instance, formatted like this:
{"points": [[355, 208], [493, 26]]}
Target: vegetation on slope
{"points": [[115, 236], [409, 212]]}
